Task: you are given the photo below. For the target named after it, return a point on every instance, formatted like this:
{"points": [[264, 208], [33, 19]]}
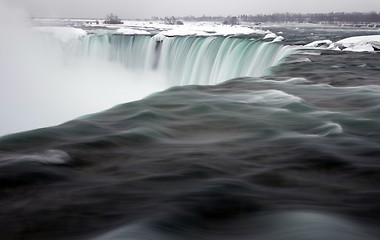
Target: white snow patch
{"points": [[270, 35], [359, 39], [319, 43], [278, 39], [360, 43], [159, 37], [354, 44], [360, 48], [188, 29], [334, 46], [129, 31], [209, 30]]}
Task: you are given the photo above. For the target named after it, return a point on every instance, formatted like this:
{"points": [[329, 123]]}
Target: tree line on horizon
{"points": [[333, 17]]}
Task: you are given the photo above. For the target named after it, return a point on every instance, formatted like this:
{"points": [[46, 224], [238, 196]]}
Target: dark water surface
{"points": [[291, 156]]}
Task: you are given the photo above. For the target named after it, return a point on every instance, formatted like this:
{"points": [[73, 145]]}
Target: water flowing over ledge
{"points": [[188, 60]]}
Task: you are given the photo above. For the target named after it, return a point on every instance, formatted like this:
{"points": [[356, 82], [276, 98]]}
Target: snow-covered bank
{"points": [[129, 31], [69, 29], [360, 43], [369, 43], [187, 29], [273, 36]]}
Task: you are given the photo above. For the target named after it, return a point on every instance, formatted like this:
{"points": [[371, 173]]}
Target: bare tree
{"points": [[231, 20], [112, 19]]}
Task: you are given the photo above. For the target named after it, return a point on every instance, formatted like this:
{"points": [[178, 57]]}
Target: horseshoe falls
{"points": [[163, 133], [190, 59], [100, 70]]}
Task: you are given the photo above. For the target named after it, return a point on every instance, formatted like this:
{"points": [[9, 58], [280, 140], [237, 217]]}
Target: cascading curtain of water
{"points": [[188, 60]]}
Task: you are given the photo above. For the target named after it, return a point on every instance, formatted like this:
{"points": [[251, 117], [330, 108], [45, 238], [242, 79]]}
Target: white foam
{"points": [[267, 97], [329, 128], [51, 156], [297, 80], [305, 59]]}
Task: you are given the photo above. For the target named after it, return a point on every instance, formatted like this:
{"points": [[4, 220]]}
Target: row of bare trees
{"points": [[333, 17]]}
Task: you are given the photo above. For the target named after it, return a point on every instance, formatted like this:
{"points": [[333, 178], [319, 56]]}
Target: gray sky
{"points": [[162, 8]]}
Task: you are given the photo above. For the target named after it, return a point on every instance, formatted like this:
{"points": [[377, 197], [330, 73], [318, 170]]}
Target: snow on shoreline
{"points": [[360, 43], [370, 43], [273, 36], [190, 29], [130, 31], [157, 29], [161, 30], [187, 29], [66, 34]]}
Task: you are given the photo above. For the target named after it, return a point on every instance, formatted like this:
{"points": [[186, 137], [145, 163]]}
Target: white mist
{"points": [[40, 86]]}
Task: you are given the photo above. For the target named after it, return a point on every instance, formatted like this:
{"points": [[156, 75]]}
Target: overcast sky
{"points": [[162, 8]]}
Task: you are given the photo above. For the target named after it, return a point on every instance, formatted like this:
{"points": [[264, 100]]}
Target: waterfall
{"points": [[190, 59]]}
